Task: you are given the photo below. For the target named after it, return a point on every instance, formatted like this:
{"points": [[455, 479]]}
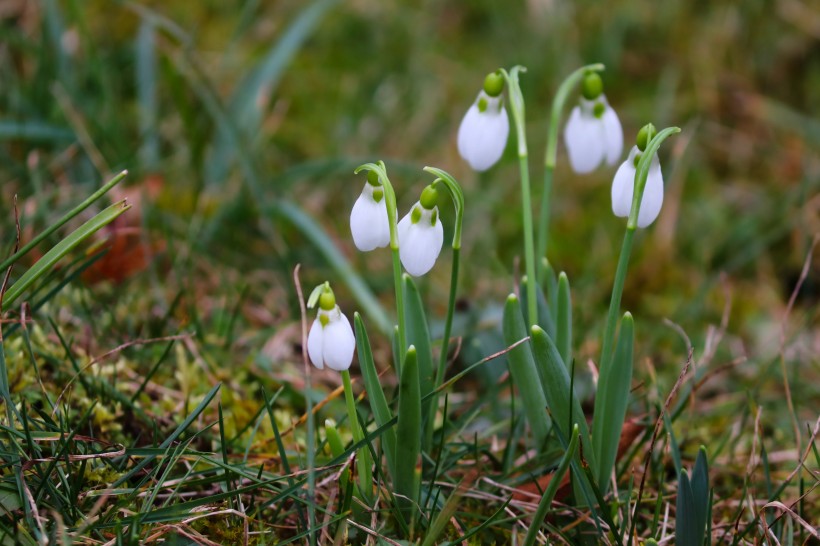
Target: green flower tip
{"points": [[592, 86], [429, 197], [411, 350], [494, 83], [562, 276], [598, 110], [373, 178], [512, 298], [537, 330], [327, 301], [645, 135], [415, 215]]}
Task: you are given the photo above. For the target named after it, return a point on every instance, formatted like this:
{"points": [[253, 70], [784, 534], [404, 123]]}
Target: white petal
{"points": [[368, 222], [482, 136], [420, 243], [339, 344], [652, 195], [623, 185], [314, 344], [613, 136], [584, 138]]}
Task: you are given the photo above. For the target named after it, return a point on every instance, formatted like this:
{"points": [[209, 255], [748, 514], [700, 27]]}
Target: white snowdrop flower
{"points": [[369, 223], [421, 235], [331, 341], [593, 133], [623, 186], [482, 135]]}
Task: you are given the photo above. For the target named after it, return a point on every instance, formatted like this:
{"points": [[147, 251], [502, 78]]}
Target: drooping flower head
{"points": [[623, 185], [482, 135], [593, 133], [369, 222], [331, 341], [421, 234]]}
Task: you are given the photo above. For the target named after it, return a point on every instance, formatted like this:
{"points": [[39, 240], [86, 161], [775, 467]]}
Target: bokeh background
{"points": [[241, 123]]}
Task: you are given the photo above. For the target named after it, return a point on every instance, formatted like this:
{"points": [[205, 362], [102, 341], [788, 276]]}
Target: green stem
{"points": [[551, 153], [397, 285], [615, 300], [517, 107], [448, 321], [363, 466], [529, 250], [544, 219]]}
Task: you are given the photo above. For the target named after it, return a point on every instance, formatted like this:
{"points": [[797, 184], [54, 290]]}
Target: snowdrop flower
{"points": [[623, 184], [330, 342], [421, 235], [593, 133], [482, 135], [369, 223]]}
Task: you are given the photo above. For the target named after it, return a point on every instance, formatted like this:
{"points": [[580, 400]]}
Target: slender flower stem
{"points": [[363, 466], [448, 321], [529, 251], [551, 153], [397, 286], [615, 299], [517, 109]]}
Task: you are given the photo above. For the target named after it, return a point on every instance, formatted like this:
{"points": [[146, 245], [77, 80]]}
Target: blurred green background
{"points": [[241, 122]]}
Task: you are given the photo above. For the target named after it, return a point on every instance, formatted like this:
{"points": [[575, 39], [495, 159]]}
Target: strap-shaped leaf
{"points": [[611, 402], [375, 393], [523, 370], [685, 519], [408, 435], [418, 335], [563, 321]]}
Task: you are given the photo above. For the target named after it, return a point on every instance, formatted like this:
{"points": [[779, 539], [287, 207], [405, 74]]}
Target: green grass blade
{"points": [[552, 488], [555, 381], [524, 372], [443, 517], [244, 107], [611, 403], [62, 221], [171, 438], [563, 320], [62, 248], [408, 435], [418, 335], [375, 393]]}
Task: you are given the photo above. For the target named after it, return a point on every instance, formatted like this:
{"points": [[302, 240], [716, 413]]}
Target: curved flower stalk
{"points": [[551, 155], [369, 222], [482, 135], [421, 234], [593, 134], [624, 183], [330, 342]]}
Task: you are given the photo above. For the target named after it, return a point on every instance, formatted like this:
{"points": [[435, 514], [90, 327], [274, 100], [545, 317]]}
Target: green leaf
{"points": [[524, 373], [375, 393], [700, 492], [552, 488], [9, 498], [611, 403], [555, 381], [408, 435], [563, 322], [686, 533], [418, 335], [47, 262]]}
